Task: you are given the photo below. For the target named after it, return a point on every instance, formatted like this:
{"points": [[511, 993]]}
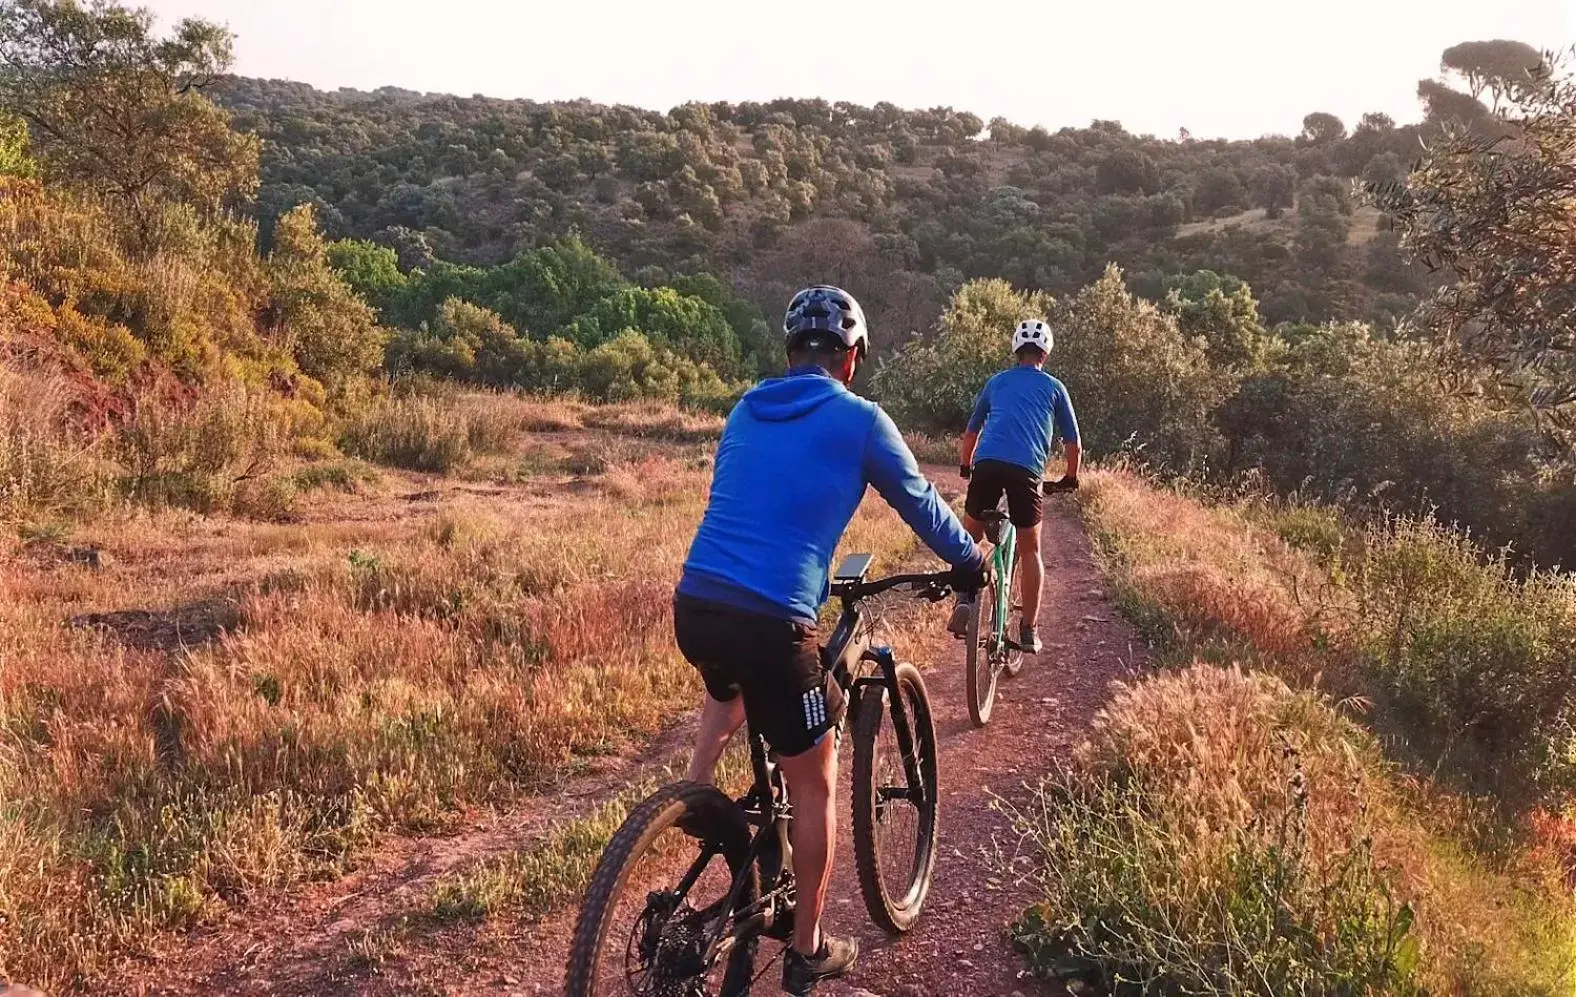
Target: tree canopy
{"points": [[116, 111]]}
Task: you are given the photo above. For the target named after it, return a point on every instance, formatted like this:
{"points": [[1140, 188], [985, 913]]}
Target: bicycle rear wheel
{"points": [[984, 648], [894, 833], [640, 927], [1011, 655]]}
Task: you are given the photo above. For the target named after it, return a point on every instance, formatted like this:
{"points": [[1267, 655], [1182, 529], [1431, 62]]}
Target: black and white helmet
{"points": [[1033, 332], [824, 308]]}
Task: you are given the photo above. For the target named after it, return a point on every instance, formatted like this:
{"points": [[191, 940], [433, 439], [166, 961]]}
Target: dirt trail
{"points": [[313, 940]]}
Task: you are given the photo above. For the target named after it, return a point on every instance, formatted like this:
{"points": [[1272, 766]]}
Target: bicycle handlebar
{"points": [[935, 584]]}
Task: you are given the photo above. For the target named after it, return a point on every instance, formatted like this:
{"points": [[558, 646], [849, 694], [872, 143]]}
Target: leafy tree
{"points": [[932, 380], [757, 345], [686, 326], [1384, 168], [1444, 106], [116, 111], [331, 332], [1138, 382], [1127, 171], [1219, 192], [1498, 216], [1222, 312], [371, 270], [1322, 128], [1375, 122], [464, 341], [1274, 189], [630, 366], [1426, 434], [1496, 67], [413, 248], [544, 289]]}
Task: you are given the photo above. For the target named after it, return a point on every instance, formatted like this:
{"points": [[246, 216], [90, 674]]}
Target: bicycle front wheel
{"points": [[894, 821], [660, 891], [983, 650]]}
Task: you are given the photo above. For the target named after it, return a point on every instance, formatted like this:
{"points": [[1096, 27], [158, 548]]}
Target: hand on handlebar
{"points": [[1062, 484], [972, 579]]}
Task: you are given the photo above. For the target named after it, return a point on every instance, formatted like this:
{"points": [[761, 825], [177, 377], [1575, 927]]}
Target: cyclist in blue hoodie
{"points": [[795, 458]]}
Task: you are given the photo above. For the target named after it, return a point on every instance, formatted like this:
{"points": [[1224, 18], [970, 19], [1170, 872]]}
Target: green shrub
{"points": [[1481, 660], [419, 434], [332, 333], [1211, 840], [197, 454], [932, 381], [629, 367]]}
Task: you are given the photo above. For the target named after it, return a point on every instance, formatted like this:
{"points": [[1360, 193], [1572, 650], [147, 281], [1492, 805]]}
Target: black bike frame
{"points": [[844, 655]]}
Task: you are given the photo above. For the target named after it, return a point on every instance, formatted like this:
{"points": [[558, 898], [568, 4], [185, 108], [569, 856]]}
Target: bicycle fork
{"points": [[882, 658]]}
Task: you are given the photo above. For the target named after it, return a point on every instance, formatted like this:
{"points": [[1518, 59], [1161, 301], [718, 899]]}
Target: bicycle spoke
{"points": [[656, 940], [897, 815]]}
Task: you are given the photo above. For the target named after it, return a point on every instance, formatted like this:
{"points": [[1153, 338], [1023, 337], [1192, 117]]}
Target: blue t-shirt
{"points": [[1022, 410], [794, 461]]}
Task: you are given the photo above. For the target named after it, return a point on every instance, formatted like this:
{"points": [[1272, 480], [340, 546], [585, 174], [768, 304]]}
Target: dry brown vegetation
{"points": [[196, 709], [1212, 797]]}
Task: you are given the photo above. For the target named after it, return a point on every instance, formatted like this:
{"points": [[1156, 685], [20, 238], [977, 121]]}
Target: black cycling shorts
{"points": [[990, 479], [789, 699]]}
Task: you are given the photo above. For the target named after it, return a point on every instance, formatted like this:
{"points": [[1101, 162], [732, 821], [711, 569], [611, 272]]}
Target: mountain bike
{"points": [[990, 652], [693, 880]]}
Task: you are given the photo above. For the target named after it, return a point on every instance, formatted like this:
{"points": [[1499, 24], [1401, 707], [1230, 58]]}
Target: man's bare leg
{"points": [[811, 776], [718, 721], [1031, 572]]}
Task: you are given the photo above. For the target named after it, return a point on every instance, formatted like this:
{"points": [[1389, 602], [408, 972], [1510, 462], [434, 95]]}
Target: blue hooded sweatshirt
{"points": [[791, 467]]}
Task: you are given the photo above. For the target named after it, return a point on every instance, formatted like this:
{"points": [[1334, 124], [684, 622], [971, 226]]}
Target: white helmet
{"points": [[1033, 332]]}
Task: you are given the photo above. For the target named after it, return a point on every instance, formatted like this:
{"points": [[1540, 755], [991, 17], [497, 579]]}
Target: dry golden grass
{"points": [[1208, 576], [1215, 581], [239, 705], [45, 470]]}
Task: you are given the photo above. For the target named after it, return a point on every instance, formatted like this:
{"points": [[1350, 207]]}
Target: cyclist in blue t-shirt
{"points": [[1018, 414]]}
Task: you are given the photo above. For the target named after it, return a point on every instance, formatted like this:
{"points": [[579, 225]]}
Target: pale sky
{"points": [[1235, 68]]}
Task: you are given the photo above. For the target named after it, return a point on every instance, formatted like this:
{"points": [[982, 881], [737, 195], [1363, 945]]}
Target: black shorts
{"points": [[789, 699], [991, 479]]}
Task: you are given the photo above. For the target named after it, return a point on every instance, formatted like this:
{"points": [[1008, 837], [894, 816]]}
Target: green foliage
{"points": [[14, 160], [1211, 842], [932, 381], [684, 325], [332, 333], [1499, 67], [631, 367], [466, 342], [728, 190], [118, 112], [1136, 380], [371, 270], [1321, 128], [1222, 311], [1481, 661], [1498, 215], [1343, 413]]}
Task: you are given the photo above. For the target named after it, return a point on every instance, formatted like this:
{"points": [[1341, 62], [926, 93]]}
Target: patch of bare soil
{"points": [[167, 630]]}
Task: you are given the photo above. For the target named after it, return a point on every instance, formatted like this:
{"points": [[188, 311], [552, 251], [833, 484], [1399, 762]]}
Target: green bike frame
{"points": [[1004, 542]]}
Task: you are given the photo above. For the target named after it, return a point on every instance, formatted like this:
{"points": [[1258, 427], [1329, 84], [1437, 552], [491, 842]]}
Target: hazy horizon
{"points": [[1220, 68]]}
